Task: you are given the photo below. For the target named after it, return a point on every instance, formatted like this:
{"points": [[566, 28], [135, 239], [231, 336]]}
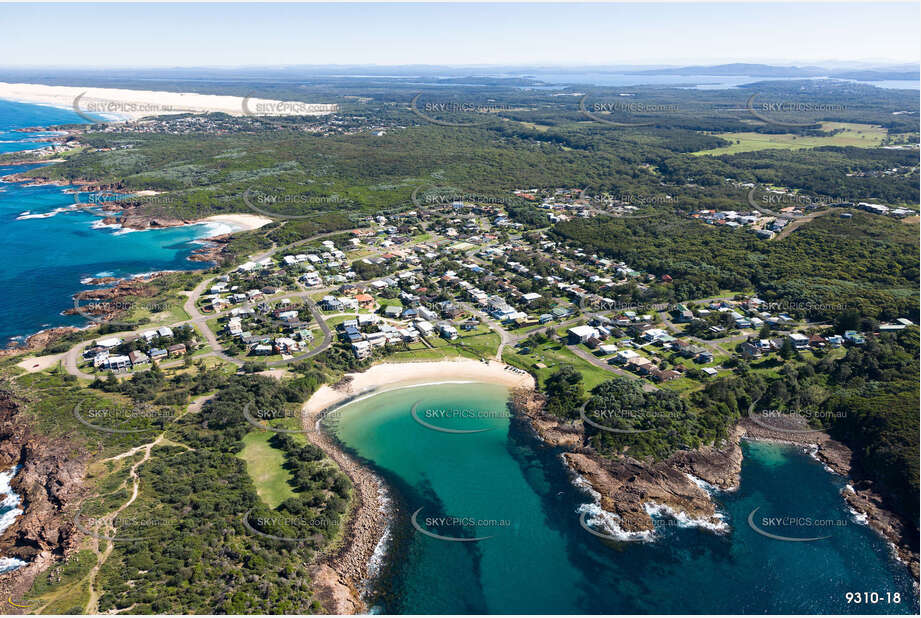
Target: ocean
{"points": [[47, 246], [537, 558]]}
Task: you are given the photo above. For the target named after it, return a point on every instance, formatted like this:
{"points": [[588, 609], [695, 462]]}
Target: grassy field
{"points": [[552, 355], [265, 465], [422, 355], [861, 135], [171, 312], [62, 589]]}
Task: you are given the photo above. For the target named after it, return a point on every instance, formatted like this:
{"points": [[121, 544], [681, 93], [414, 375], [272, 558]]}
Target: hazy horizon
{"points": [[240, 35]]}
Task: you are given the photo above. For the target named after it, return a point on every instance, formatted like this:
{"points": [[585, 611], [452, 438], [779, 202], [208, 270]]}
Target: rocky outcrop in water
{"points": [[215, 251], [39, 340], [144, 222], [626, 486]]}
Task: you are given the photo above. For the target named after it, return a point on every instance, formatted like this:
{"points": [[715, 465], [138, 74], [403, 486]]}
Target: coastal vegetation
{"points": [[230, 515], [196, 550], [866, 263]]}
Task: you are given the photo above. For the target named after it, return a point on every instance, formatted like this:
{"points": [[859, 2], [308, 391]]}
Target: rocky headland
{"points": [[626, 485], [50, 484]]}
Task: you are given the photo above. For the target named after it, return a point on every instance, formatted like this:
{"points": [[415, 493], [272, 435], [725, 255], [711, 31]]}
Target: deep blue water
{"points": [[43, 259], [543, 561]]}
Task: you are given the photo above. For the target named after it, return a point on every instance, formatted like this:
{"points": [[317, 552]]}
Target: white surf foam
{"points": [[11, 510], [707, 487], [380, 550], [813, 451], [10, 564], [686, 521], [608, 522], [99, 225], [43, 215], [216, 228]]}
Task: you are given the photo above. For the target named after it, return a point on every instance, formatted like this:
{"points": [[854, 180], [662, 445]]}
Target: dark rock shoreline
{"points": [[625, 485], [50, 482], [861, 496]]}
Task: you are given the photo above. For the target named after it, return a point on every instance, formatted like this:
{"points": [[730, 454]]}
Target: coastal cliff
{"points": [[50, 483]]}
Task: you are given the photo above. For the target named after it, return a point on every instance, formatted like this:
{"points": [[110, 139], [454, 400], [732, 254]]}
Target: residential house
{"points": [[581, 334], [361, 349], [852, 336], [111, 342], [447, 331], [138, 358], [625, 355], [749, 350], [409, 335], [286, 345], [118, 363], [365, 301], [530, 297], [262, 349], [817, 341], [427, 314], [331, 303]]}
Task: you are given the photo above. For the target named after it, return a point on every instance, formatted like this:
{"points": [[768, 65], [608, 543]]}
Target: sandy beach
{"points": [[118, 104], [340, 577], [240, 222], [380, 377]]}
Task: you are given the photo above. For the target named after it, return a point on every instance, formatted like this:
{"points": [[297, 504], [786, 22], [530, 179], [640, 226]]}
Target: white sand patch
{"points": [[121, 104]]}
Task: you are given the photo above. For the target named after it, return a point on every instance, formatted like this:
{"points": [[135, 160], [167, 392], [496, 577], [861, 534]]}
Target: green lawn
{"points": [[552, 355], [484, 344], [265, 465], [682, 385], [860, 135], [424, 354]]}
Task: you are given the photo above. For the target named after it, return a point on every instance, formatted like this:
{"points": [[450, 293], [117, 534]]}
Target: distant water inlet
{"points": [[490, 521]]}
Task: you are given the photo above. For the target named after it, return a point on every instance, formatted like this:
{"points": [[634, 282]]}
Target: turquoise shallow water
{"points": [[539, 559], [44, 258]]}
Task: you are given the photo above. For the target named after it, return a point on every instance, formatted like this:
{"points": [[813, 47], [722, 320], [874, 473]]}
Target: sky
{"points": [[170, 35]]}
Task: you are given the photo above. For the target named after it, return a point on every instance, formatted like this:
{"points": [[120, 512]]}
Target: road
{"points": [[793, 225], [199, 320], [505, 338]]}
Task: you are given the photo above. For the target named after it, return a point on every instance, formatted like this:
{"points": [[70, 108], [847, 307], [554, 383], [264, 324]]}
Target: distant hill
{"points": [[752, 70], [766, 70], [874, 76]]}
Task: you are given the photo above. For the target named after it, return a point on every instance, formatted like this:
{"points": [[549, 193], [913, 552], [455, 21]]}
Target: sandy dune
{"points": [[119, 104]]}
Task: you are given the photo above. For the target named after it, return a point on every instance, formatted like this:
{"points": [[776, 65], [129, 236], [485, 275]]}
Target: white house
{"points": [[581, 334]]}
